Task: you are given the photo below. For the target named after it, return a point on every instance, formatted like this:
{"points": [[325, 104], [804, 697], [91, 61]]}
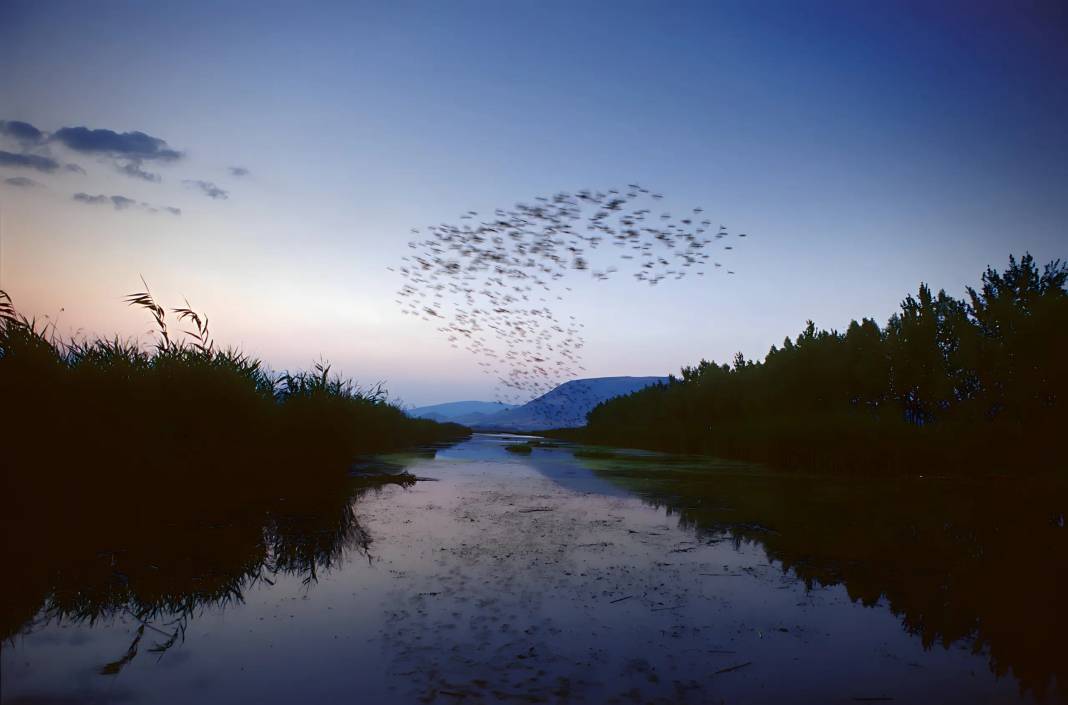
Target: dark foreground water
{"points": [[551, 578]]}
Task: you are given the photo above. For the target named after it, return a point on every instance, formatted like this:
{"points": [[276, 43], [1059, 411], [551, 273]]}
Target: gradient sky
{"points": [[865, 147]]}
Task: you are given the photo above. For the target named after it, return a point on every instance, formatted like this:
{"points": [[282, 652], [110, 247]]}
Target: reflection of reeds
{"points": [[158, 481], [165, 574]]}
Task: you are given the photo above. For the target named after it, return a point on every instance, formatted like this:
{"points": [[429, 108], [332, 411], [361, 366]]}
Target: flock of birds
{"points": [[488, 281]]}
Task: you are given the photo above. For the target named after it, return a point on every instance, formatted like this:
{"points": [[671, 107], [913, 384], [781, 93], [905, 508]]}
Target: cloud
{"points": [[238, 171], [128, 151], [133, 146], [21, 182], [23, 132], [28, 161], [133, 168], [122, 203], [207, 188], [92, 200]]}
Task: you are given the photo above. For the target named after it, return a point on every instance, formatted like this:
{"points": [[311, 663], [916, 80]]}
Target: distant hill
{"points": [[565, 406], [468, 413]]}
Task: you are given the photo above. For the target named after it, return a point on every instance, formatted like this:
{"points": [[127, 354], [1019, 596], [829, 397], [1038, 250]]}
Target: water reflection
{"points": [[161, 563], [543, 576], [553, 460], [979, 561]]}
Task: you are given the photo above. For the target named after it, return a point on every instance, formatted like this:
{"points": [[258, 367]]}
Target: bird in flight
{"points": [[487, 280]]}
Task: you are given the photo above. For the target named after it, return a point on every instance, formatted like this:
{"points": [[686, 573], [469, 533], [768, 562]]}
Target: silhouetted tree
{"points": [[974, 382]]}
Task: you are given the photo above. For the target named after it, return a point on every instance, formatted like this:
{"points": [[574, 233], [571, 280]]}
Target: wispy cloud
{"points": [[121, 203], [86, 198], [207, 188], [125, 145], [22, 132], [128, 151], [21, 182], [28, 161], [133, 168]]}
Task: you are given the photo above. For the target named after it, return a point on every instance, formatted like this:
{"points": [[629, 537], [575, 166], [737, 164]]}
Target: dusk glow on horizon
{"points": [[268, 163]]}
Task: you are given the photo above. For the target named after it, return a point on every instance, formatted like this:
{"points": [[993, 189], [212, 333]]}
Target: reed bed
{"points": [[183, 412], [115, 448]]}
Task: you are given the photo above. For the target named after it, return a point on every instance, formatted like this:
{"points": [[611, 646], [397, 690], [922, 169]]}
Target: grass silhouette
{"points": [[184, 456], [184, 411]]}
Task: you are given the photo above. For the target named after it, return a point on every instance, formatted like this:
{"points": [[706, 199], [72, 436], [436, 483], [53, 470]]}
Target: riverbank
{"points": [[848, 446]]}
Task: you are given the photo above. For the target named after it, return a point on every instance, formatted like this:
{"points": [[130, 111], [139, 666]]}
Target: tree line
{"points": [[950, 383]]}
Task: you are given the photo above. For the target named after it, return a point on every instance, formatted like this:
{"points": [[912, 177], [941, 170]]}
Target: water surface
{"points": [[539, 578]]}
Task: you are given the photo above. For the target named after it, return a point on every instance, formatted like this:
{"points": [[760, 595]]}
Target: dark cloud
{"points": [[122, 203], [28, 161], [92, 200], [128, 151], [207, 188], [21, 182], [135, 146], [24, 132], [238, 171], [133, 168]]}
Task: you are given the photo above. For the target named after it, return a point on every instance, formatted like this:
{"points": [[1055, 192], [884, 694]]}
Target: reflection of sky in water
{"points": [[557, 464], [517, 575]]}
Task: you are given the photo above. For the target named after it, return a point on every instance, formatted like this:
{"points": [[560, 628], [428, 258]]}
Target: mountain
{"points": [[565, 406], [468, 413]]}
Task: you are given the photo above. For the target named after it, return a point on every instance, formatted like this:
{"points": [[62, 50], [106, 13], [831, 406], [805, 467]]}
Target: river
{"points": [[521, 578]]}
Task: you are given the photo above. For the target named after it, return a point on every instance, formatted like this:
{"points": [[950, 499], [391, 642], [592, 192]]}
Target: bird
{"points": [[486, 280]]}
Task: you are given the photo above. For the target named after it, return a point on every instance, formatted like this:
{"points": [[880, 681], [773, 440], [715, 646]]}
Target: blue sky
{"points": [[864, 146]]}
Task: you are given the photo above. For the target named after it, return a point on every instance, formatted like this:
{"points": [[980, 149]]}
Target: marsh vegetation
{"points": [[152, 480]]}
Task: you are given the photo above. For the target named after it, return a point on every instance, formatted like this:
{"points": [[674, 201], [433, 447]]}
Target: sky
{"points": [[286, 151]]}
